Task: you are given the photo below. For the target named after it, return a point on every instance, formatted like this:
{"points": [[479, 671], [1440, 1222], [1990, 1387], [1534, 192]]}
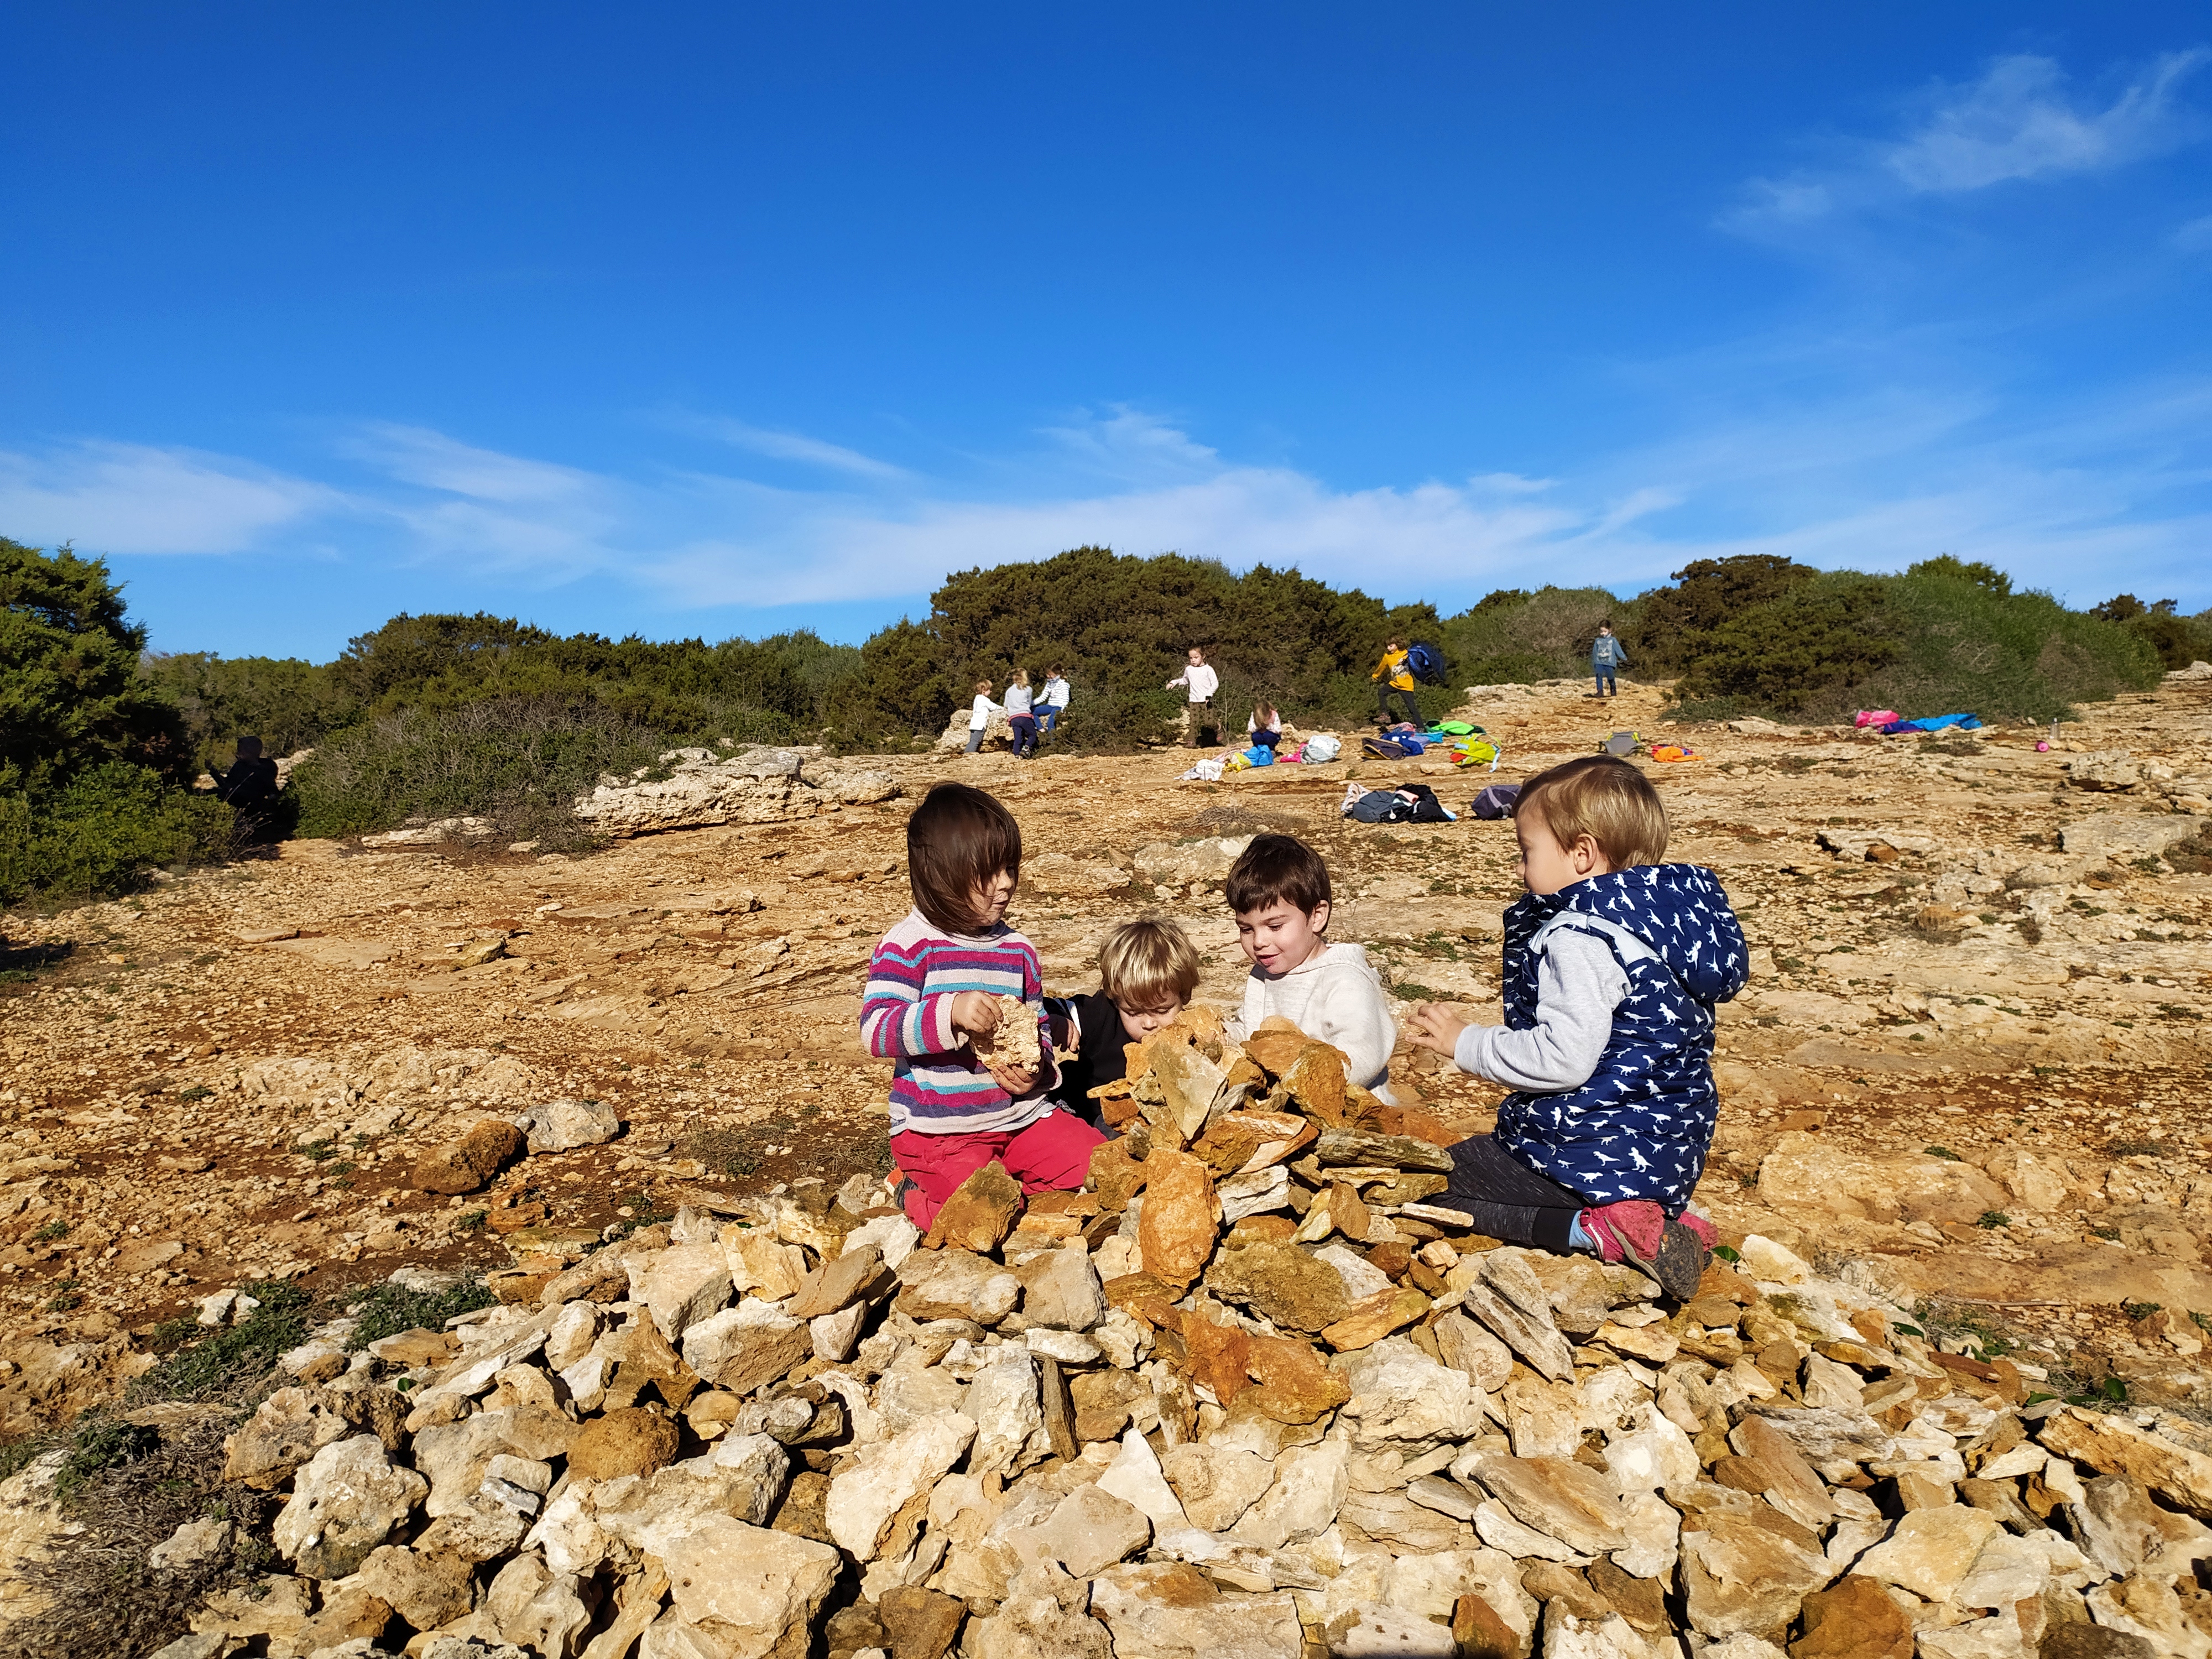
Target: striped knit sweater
{"points": [[938, 1086]]}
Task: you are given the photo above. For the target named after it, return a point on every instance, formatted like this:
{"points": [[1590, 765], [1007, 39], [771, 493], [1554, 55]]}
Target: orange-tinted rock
{"points": [[1854, 1620], [628, 1441], [1316, 1081], [1262, 1229], [1345, 1213], [1219, 1356], [1282, 1283], [1371, 1321], [1415, 1124], [1480, 1633], [1116, 1176], [1182, 1216], [1294, 1385], [980, 1214], [468, 1164]]}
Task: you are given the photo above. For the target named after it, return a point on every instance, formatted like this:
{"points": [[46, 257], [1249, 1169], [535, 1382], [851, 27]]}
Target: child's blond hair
{"points": [[1148, 962], [1605, 798]]}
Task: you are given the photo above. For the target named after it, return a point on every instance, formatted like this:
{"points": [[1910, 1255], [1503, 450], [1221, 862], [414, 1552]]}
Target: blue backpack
{"points": [[1426, 662]]}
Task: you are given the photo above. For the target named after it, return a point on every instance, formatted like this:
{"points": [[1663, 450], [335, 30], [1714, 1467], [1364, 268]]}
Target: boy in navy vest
{"points": [[1612, 965]]}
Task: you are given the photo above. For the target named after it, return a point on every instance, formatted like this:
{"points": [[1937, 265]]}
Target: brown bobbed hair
{"points": [[958, 839], [1605, 798], [1278, 869]]}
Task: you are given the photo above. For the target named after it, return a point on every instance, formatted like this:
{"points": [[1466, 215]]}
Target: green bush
{"points": [[1933, 641], [1669, 627], [286, 702], [2180, 640], [70, 693], [101, 832], [1782, 655], [1516, 638], [518, 760]]}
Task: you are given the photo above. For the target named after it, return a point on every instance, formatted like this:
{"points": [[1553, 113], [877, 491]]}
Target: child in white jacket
{"points": [[1279, 888], [978, 715]]}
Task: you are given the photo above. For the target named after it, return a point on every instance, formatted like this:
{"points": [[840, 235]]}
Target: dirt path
{"points": [[186, 1108]]}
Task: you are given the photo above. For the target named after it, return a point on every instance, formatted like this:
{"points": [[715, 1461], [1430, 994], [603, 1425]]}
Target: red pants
{"points": [[1051, 1155]]}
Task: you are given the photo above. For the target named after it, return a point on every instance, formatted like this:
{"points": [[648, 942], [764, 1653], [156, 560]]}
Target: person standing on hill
{"points": [[978, 715], [250, 787], [1018, 714], [1200, 683], [1394, 678], [1054, 702], [1606, 654]]}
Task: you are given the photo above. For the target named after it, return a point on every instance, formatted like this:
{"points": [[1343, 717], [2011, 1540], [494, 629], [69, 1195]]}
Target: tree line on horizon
{"points": [[446, 716]]}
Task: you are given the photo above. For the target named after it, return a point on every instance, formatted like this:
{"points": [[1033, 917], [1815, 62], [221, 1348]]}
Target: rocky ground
{"points": [[1963, 1082]]}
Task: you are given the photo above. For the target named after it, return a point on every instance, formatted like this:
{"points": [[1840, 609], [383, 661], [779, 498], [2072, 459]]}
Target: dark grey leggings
{"points": [[1508, 1199]]}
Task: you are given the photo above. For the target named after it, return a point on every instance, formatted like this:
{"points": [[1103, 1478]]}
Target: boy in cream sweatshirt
{"points": [[1279, 888]]}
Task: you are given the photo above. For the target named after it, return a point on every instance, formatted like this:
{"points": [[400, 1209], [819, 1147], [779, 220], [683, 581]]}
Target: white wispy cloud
{"points": [[138, 498], [2017, 121], [787, 445], [2101, 497]]}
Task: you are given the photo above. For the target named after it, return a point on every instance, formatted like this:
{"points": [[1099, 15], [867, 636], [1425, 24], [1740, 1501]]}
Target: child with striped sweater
{"points": [[933, 989]]}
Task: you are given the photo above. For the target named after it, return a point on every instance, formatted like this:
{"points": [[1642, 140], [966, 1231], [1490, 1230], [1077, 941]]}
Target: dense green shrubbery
{"points": [[1944, 637], [519, 761], [1514, 637], [91, 755], [1120, 626], [2180, 640], [101, 830], [452, 716]]}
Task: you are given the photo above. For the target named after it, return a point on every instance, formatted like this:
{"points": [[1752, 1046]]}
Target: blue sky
{"points": [[714, 320]]}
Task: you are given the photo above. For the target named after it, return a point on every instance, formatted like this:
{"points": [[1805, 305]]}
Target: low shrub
{"points": [[519, 761], [102, 831]]}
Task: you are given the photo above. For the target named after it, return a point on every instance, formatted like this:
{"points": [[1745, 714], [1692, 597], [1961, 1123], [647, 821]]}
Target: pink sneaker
{"points": [[1637, 1231]]}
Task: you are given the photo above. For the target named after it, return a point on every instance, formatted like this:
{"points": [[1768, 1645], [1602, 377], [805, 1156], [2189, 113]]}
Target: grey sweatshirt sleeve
{"points": [[1579, 984]]}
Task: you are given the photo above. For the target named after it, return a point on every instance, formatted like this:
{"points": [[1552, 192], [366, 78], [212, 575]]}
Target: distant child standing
{"points": [[978, 715], [1199, 683], [1147, 971], [1607, 655], [1019, 704], [1614, 962], [1279, 888], [1263, 726], [933, 985], [1054, 703]]}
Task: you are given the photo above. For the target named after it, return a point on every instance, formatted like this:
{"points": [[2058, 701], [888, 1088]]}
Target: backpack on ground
{"points": [[1427, 809], [1384, 749], [1621, 744], [1320, 747], [1497, 801], [1426, 662]]}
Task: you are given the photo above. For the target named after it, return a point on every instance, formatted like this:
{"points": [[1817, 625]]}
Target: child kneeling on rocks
{"points": [[1612, 965], [940, 986]]}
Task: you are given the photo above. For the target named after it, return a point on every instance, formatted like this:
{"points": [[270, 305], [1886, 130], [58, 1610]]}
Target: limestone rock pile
{"points": [[1250, 1395], [755, 783]]}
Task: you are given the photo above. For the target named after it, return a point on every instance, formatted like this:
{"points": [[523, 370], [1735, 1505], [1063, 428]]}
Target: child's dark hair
{"points": [[958, 840], [1278, 869]]}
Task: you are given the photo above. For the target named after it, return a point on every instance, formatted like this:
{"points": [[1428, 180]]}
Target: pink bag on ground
{"points": [[1874, 717]]}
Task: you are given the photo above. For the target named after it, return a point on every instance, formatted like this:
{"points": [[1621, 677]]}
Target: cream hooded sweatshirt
{"points": [[1336, 995]]}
